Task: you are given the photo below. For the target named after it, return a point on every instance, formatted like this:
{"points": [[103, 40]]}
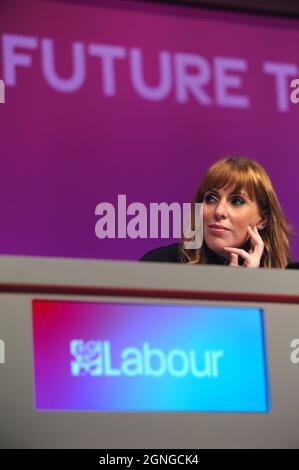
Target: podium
{"points": [[106, 354]]}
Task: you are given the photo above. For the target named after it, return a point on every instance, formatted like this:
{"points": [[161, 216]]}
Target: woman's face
{"points": [[226, 217]]}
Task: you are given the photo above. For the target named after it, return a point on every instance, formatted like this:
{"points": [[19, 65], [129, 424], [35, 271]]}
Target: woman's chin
{"points": [[218, 247]]}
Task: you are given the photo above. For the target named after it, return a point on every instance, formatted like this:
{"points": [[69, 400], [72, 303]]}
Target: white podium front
{"points": [[105, 354]]}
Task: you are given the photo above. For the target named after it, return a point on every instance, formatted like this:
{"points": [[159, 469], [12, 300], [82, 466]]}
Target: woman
{"points": [[243, 223]]}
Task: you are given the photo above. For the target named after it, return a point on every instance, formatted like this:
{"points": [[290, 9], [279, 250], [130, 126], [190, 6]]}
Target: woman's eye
{"points": [[238, 201], [235, 200], [209, 198]]}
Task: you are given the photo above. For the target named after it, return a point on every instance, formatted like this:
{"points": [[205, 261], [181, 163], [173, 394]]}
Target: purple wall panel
{"points": [[80, 127]]}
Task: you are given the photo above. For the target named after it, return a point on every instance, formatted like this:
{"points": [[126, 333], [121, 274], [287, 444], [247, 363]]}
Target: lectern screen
{"points": [[102, 356]]}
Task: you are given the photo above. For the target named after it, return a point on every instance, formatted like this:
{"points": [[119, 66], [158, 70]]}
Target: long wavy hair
{"points": [[244, 174]]}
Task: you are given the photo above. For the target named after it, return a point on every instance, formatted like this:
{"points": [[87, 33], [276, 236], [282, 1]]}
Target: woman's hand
{"points": [[251, 258]]}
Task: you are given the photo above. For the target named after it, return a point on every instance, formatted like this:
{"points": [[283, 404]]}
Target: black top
{"points": [[170, 254], [167, 254]]}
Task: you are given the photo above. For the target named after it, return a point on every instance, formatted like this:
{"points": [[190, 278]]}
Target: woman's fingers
{"points": [[256, 241], [255, 236], [237, 251], [234, 260], [250, 259], [253, 256]]}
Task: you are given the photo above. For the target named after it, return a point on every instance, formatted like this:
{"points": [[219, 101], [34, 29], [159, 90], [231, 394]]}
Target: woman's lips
{"points": [[214, 229]]}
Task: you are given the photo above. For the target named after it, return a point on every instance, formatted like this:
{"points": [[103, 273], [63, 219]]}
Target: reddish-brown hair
{"points": [[244, 174]]}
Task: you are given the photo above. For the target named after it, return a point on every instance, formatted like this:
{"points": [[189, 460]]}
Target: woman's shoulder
{"points": [[166, 254], [293, 265], [171, 254]]}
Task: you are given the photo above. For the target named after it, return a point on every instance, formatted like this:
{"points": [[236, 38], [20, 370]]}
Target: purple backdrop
{"points": [[137, 100]]}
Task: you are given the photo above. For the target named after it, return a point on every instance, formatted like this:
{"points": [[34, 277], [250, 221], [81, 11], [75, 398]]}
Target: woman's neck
{"points": [[214, 258]]}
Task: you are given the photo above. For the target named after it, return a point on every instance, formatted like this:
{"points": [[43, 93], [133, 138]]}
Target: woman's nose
{"points": [[221, 209]]}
